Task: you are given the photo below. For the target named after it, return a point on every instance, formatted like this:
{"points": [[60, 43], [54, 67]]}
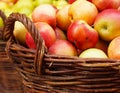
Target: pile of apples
{"points": [[83, 28], [26, 6]]}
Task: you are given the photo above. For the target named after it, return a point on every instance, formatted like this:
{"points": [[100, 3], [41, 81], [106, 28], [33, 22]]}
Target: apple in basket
{"points": [[71, 1], [107, 24], [1, 22], [114, 48], [20, 32], [62, 18], [46, 32], [62, 47], [60, 34], [45, 13], [82, 35], [83, 10], [105, 4], [103, 45], [93, 53]]}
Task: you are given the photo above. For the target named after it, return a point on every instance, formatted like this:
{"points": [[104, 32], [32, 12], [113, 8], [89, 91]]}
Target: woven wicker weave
{"points": [[44, 73], [10, 80]]}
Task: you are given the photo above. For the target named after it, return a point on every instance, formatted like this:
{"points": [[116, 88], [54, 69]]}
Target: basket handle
{"points": [[3, 16], [8, 34]]}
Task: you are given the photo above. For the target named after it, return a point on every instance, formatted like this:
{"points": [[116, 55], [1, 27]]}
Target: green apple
{"points": [[59, 3], [93, 53], [3, 6], [6, 8], [25, 7], [39, 2], [20, 32]]}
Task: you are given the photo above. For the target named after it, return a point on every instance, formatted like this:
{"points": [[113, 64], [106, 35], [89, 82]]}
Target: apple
{"points": [[20, 32], [5, 7], [90, 0], [1, 23], [105, 4], [83, 10], [101, 44], [60, 34], [119, 8], [93, 53], [39, 2], [46, 32], [82, 35], [59, 3], [107, 24], [114, 48], [62, 18], [45, 13], [71, 1], [10, 1], [24, 7], [62, 47]]}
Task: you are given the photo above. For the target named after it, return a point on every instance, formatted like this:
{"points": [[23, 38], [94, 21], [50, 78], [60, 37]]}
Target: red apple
{"points": [[60, 34], [105, 4], [45, 13], [90, 0], [71, 1], [119, 8], [101, 44], [62, 18], [107, 24], [83, 10], [82, 35], [46, 32], [62, 47]]}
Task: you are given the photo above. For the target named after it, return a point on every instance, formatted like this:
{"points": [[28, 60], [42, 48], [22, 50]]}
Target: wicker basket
{"points": [[10, 80], [45, 73]]}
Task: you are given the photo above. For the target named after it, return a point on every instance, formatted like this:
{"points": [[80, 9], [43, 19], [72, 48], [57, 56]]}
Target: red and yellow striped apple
{"points": [[60, 34], [106, 4], [82, 35], [83, 10], [46, 32], [62, 18], [45, 13], [63, 47], [107, 24]]}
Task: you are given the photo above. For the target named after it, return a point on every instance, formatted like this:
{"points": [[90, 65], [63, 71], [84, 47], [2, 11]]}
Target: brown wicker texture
{"points": [[45, 73], [10, 80]]}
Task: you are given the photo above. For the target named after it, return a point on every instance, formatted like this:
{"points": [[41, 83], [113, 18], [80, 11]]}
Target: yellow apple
{"points": [[20, 32], [114, 48], [83, 10], [62, 18], [93, 53]]}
